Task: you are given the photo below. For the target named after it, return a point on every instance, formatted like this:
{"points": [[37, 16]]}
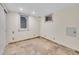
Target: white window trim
{"points": [[27, 24]]}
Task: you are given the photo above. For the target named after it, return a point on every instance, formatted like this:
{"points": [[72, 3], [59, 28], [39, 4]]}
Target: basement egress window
{"points": [[23, 22]]}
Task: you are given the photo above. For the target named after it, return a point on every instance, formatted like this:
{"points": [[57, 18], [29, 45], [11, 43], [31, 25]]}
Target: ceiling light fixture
{"points": [[21, 9], [33, 12]]}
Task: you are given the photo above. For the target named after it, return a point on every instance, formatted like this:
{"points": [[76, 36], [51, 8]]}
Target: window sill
{"points": [[20, 30]]}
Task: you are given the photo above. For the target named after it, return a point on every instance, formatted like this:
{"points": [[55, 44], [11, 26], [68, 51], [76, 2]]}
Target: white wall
{"points": [[2, 30], [56, 30], [13, 20], [46, 28]]}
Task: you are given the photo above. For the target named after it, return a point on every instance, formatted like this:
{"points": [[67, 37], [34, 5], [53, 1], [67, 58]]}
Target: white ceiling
{"points": [[41, 9]]}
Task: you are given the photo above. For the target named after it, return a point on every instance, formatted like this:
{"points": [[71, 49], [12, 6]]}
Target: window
{"points": [[23, 22], [48, 18]]}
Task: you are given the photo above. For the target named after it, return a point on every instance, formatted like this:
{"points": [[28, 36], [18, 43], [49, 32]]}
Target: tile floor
{"points": [[37, 46]]}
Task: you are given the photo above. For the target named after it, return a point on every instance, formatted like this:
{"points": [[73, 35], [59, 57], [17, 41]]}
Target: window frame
{"points": [[23, 29]]}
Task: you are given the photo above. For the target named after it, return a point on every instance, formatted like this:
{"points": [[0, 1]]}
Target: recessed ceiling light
{"points": [[33, 12], [21, 9]]}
